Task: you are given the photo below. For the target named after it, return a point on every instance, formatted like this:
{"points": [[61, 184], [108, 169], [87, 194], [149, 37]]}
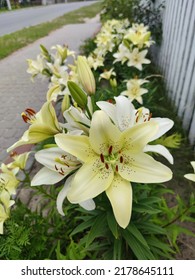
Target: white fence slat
{"points": [[175, 42], [184, 53], [188, 87], [178, 50], [167, 33], [176, 59], [191, 134]]}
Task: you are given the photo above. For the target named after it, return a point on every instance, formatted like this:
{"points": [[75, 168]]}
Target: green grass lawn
{"points": [[14, 41]]}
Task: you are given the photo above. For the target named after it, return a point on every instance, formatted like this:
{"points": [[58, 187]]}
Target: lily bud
{"points": [[45, 53], [113, 83], [65, 103], [77, 94], [85, 75]]}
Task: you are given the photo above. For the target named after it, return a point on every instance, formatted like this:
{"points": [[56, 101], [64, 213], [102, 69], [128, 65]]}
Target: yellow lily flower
{"points": [[134, 90], [18, 160], [8, 180], [111, 160], [5, 204], [44, 125], [35, 67], [107, 74]]}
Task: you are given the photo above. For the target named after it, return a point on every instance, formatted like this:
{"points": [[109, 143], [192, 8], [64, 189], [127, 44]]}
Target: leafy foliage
{"points": [[147, 12]]}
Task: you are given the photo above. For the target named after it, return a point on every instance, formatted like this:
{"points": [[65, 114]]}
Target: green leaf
{"points": [[151, 228], [137, 234], [144, 208], [117, 249], [81, 227], [192, 199], [192, 209], [97, 229], [59, 255], [155, 242], [140, 251], [150, 200], [112, 224]]}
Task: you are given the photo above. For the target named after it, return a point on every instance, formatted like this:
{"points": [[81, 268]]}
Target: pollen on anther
{"points": [[26, 119], [110, 150], [102, 158], [121, 159], [30, 111], [116, 168], [107, 166]]}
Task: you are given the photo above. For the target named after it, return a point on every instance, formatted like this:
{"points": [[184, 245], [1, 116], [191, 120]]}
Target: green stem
{"points": [[178, 217], [88, 112], [27, 177]]}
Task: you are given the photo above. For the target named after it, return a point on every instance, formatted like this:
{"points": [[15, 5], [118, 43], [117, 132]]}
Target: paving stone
{"points": [[17, 91]]}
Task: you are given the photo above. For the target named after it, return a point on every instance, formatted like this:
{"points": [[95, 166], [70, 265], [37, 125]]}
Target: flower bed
{"points": [[101, 156]]}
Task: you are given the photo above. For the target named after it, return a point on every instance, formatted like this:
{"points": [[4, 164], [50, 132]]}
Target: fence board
{"points": [[176, 59]]}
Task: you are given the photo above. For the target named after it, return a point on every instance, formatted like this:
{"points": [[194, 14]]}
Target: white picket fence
{"points": [[176, 59]]}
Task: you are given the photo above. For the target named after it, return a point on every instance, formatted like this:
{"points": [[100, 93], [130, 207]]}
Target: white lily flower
{"points": [[137, 58], [122, 54], [191, 176], [124, 115], [107, 74], [76, 119], [56, 68], [111, 160], [36, 67], [57, 165], [134, 90], [95, 61]]}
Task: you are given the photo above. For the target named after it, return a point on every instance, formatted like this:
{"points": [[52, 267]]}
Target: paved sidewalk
{"points": [[17, 92]]}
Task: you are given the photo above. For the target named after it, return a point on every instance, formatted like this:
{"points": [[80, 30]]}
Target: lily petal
{"points": [[124, 112], [90, 180], [52, 156], [88, 204], [46, 177], [63, 194], [190, 177], [77, 145], [165, 125], [101, 133], [142, 168], [120, 196], [160, 150], [193, 165], [109, 109], [136, 137]]}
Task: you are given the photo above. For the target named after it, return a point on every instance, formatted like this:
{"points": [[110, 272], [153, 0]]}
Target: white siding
{"points": [[176, 59]]}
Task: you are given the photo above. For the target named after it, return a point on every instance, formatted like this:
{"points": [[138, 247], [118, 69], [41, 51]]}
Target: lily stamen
{"points": [[102, 158], [29, 115], [110, 150]]}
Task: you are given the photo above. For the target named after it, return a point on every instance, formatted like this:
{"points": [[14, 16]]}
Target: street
{"points": [[18, 19]]}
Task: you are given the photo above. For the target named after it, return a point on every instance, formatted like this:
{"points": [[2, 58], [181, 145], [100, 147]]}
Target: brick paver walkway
{"points": [[17, 92]]}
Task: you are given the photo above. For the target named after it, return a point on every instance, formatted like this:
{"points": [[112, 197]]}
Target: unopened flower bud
{"points": [[85, 75], [65, 103], [77, 94], [113, 83]]}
